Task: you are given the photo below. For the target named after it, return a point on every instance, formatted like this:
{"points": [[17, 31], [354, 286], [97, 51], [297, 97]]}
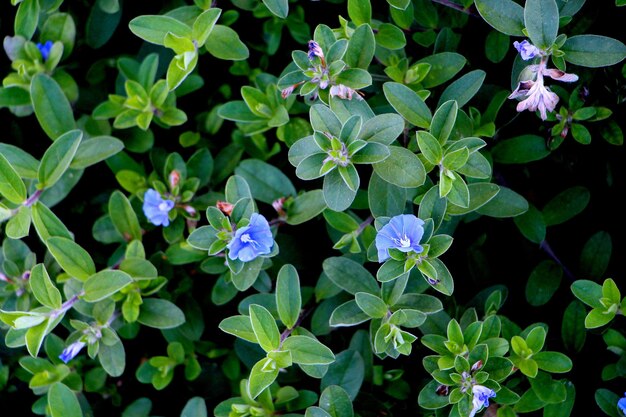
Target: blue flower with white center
{"points": [[621, 404], [315, 50], [252, 240], [45, 49], [481, 398], [71, 351], [156, 208], [526, 49], [403, 232]]}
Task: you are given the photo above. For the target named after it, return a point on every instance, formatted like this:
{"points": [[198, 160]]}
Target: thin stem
{"points": [[287, 332], [545, 246], [33, 198], [458, 7], [365, 223]]}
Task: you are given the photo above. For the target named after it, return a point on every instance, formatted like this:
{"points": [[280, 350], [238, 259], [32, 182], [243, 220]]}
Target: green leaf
{"points": [[204, 24], [337, 194], [264, 327], [308, 351], [278, 7], [224, 43], [267, 183], [588, 292], [443, 121], [195, 407], [593, 51], [607, 401], [402, 168], [520, 150], [443, 67], [566, 205], [408, 104], [390, 37], [46, 223], [429, 399], [371, 305], [57, 158], [14, 96], [463, 89], [541, 18], [52, 107], [497, 45], [11, 185], [305, 207], [239, 326], [42, 287], [507, 203], [104, 284], [430, 147], [94, 150], [19, 225], [385, 199], [362, 44], [26, 18], [24, 164], [479, 195], [348, 372], [543, 283], [360, 11], [260, 379], [596, 255], [532, 225], [505, 16], [347, 314], [573, 326], [154, 28], [336, 401], [553, 362], [62, 402], [73, 259], [160, 314], [123, 216], [350, 276], [35, 336], [288, 298]]}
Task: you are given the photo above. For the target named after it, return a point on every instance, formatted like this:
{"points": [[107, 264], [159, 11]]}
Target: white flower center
{"points": [[245, 238], [163, 206], [405, 242]]}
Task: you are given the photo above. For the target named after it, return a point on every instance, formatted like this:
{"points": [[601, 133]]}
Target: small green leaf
{"points": [[104, 284], [308, 351], [593, 51], [11, 185], [371, 305], [63, 402], [566, 205], [160, 314], [154, 28], [265, 328], [224, 43], [408, 104], [123, 216], [278, 7], [43, 289], [505, 16], [543, 283], [75, 260], [57, 158], [52, 107], [541, 18], [288, 298]]}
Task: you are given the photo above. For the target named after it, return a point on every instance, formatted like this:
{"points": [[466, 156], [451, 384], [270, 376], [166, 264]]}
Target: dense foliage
{"points": [[257, 207]]}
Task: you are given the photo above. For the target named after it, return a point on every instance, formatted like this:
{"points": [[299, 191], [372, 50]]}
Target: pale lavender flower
{"points": [[251, 241], [537, 95], [286, 92], [315, 50], [71, 351], [403, 232], [45, 49], [344, 92], [481, 398], [156, 208], [526, 50]]}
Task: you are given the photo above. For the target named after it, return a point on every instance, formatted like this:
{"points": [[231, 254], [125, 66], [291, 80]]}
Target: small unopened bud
{"points": [[190, 210], [286, 92], [174, 179], [225, 207], [477, 366], [278, 206], [442, 390]]}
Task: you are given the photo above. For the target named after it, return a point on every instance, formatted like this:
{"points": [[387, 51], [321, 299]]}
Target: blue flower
{"points": [[403, 232], [71, 351], [621, 404], [481, 398], [252, 240], [315, 50], [526, 49], [156, 208], [45, 49]]}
